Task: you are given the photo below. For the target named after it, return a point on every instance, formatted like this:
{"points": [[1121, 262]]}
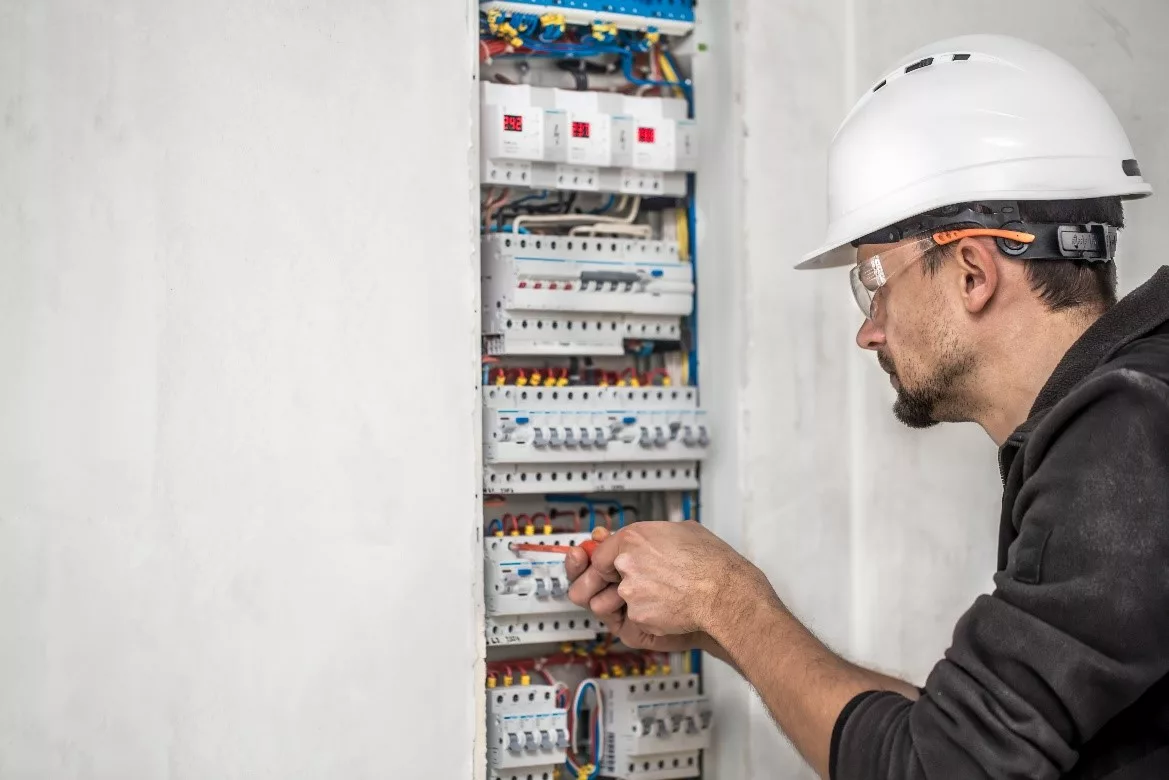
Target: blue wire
{"points": [[495, 522], [627, 68], [542, 195], [620, 511], [607, 205], [685, 86], [692, 232]]}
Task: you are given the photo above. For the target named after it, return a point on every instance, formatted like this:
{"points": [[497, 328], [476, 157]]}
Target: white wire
{"points": [[577, 219], [606, 229], [576, 700]]}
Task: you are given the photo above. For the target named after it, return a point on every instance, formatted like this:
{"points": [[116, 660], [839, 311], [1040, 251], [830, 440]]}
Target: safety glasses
{"points": [[870, 275]]}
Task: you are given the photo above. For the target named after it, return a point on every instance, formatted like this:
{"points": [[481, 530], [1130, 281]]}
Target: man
{"points": [[976, 191]]}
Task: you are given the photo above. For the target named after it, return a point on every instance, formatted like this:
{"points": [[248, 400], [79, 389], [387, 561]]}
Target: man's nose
{"points": [[870, 336]]}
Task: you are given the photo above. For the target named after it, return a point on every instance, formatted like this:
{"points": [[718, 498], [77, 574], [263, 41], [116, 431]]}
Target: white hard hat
{"points": [[969, 119]]}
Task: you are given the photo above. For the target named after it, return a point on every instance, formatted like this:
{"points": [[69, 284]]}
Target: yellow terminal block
{"points": [[529, 530], [584, 772], [525, 679], [547, 530], [618, 671], [665, 668], [566, 648], [651, 670], [514, 532], [635, 671], [665, 381], [604, 675], [507, 680], [491, 681], [535, 381], [562, 381], [602, 31], [499, 534]]}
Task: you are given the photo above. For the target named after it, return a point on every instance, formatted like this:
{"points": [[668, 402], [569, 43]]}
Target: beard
{"points": [[933, 399]]}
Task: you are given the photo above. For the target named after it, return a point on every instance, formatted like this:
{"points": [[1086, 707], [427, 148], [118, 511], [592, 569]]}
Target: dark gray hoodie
{"points": [[1062, 670]]}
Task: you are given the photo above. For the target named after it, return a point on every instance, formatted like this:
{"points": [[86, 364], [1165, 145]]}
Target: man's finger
{"points": [[608, 600], [575, 563], [604, 556], [577, 560], [586, 586]]}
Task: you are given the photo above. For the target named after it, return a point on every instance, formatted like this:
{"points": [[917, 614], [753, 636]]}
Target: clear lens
{"points": [[862, 294], [870, 275]]}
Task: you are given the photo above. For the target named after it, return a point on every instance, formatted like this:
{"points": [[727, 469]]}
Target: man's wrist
{"points": [[742, 600]]}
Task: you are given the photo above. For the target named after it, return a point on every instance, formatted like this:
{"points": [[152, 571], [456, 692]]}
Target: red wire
{"points": [[514, 524], [527, 521], [536, 517]]}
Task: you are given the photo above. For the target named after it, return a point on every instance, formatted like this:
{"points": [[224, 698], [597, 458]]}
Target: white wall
{"points": [[238, 290], [878, 536]]}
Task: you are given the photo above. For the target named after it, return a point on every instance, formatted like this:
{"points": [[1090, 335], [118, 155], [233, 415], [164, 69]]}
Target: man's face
{"points": [[914, 329]]}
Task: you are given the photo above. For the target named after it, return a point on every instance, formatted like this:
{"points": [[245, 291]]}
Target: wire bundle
{"points": [[591, 767]]}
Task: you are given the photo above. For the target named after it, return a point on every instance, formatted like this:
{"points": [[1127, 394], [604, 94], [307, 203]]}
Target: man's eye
{"points": [[869, 278]]}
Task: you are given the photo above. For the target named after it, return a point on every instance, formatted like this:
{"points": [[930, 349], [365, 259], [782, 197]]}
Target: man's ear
{"points": [[978, 272]]}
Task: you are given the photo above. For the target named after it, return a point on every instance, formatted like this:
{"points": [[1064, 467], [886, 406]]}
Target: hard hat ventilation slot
{"points": [[919, 65], [1131, 168], [883, 83], [960, 57]]}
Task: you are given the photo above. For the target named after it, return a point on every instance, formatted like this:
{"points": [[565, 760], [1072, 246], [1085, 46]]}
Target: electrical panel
{"points": [[594, 141], [591, 415], [527, 732], [655, 728], [672, 17]]}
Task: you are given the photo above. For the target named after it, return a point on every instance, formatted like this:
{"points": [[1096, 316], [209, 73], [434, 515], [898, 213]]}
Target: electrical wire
{"points": [[576, 219]]}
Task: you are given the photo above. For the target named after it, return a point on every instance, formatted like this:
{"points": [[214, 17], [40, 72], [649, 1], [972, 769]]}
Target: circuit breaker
{"points": [[527, 732], [546, 137], [655, 727], [581, 295], [593, 425]]}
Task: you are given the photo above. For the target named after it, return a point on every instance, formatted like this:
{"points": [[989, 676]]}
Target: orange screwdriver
{"points": [[588, 545]]}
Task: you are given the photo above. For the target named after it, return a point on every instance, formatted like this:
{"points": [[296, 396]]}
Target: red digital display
{"points": [[645, 135], [513, 123], [580, 129]]}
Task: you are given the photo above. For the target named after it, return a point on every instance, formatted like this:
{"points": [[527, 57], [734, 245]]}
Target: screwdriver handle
{"points": [[588, 545]]}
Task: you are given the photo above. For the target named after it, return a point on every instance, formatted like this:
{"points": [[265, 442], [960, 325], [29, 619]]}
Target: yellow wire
{"points": [[670, 74], [683, 232]]}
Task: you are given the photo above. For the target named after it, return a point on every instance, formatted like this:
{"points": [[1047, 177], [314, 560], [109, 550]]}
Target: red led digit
{"points": [[645, 135], [513, 123], [580, 129]]}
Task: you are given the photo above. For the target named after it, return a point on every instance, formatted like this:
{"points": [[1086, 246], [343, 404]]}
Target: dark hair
{"points": [[1064, 284]]}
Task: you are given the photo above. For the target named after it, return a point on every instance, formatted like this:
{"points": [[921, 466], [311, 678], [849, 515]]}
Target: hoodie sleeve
{"points": [[1076, 628]]}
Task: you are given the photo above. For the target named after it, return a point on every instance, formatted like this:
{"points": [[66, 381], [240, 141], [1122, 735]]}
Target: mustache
{"points": [[886, 363]]}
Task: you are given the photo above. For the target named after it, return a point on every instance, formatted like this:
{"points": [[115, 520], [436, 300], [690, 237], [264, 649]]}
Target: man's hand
{"points": [[665, 578], [601, 597]]}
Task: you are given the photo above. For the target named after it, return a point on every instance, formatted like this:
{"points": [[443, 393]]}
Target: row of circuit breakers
{"points": [[587, 141], [655, 728]]}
